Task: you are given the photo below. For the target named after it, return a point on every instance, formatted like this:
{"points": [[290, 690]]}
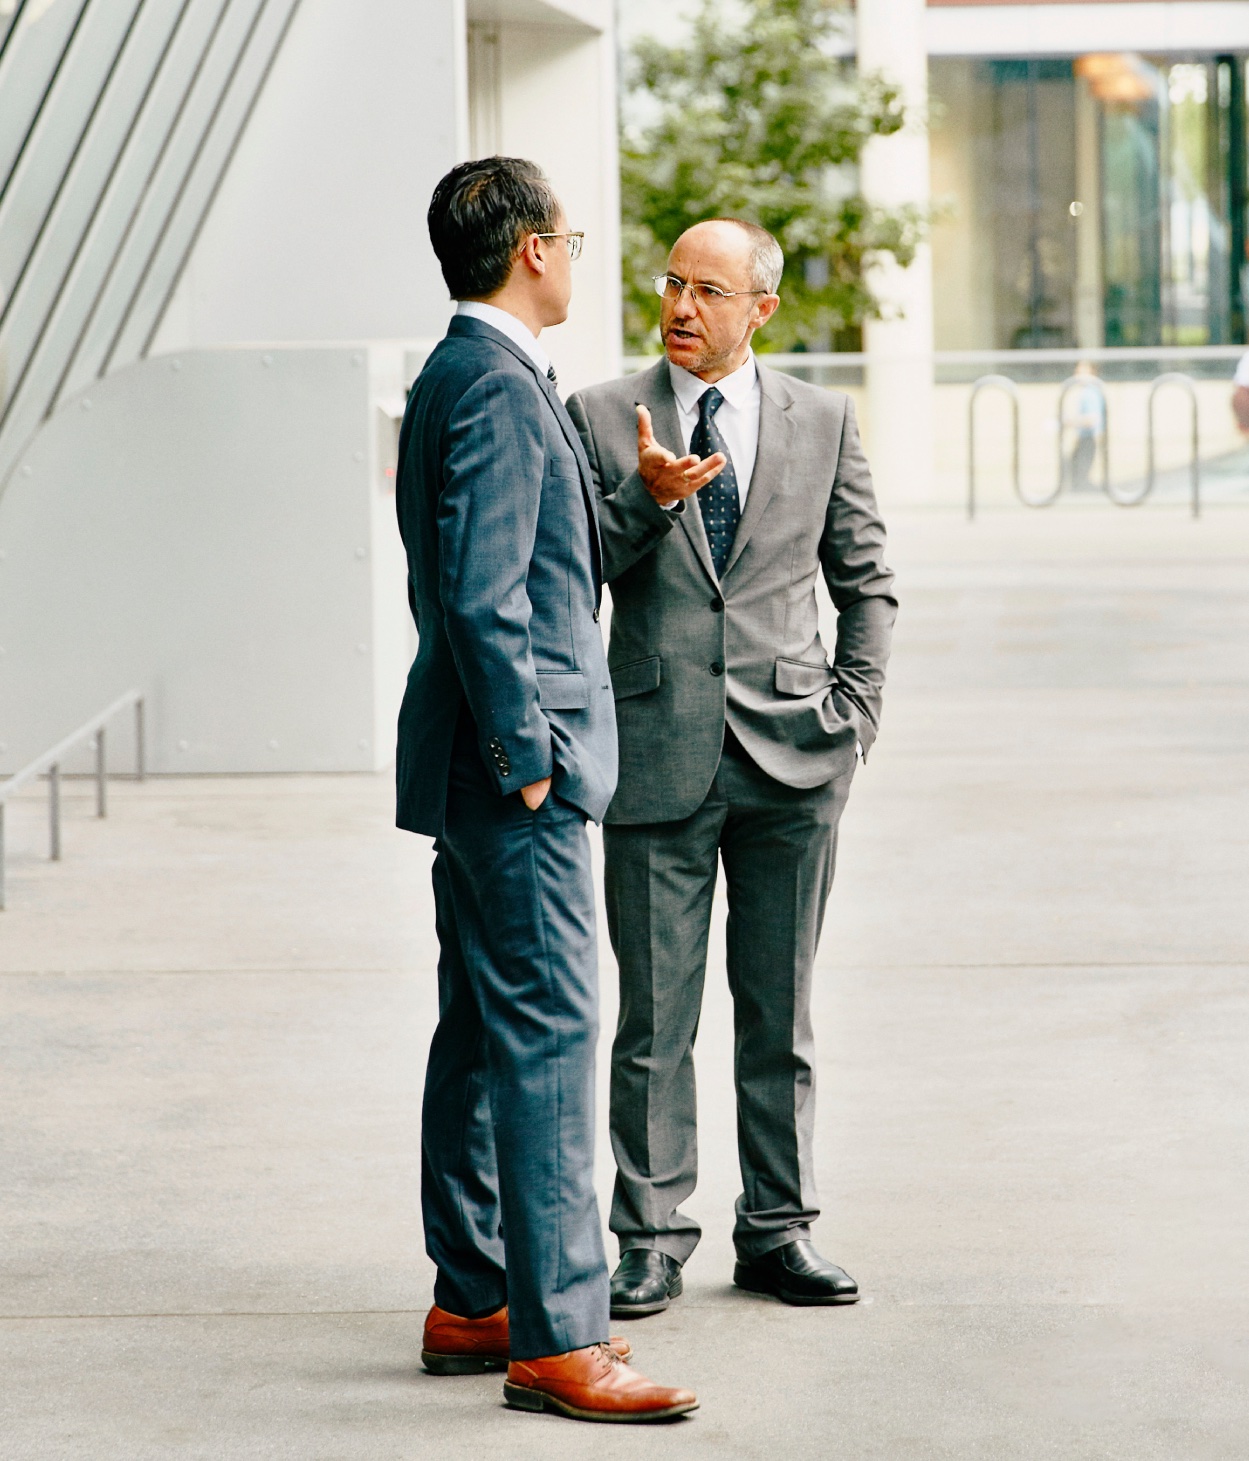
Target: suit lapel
{"points": [[776, 431], [573, 437], [654, 391], [468, 325]]}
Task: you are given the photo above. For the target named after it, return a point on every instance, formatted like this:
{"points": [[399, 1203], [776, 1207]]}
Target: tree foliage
{"points": [[755, 116]]}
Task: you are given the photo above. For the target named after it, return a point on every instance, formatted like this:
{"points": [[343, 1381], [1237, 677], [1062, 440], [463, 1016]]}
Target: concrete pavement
{"points": [[1034, 1102]]}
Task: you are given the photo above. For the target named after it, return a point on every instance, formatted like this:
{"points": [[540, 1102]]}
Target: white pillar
{"points": [[891, 40]]}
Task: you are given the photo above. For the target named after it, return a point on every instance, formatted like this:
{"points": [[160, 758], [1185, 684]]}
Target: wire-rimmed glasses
{"points": [[671, 287], [575, 240]]}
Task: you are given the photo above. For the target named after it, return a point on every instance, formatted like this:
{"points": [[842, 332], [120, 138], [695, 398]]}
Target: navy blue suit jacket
{"points": [[497, 512]]}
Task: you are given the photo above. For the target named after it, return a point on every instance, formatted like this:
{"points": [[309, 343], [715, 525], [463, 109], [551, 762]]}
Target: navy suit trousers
{"points": [[507, 1188]]}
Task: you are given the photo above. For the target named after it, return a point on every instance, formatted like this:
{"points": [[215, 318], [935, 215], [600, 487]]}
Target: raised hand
{"points": [[667, 477]]}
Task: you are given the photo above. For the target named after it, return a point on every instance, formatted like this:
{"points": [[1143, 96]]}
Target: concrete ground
{"points": [[1033, 1012]]}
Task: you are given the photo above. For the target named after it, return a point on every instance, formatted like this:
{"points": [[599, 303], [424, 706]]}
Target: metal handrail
{"points": [[1002, 383], [1067, 355], [1170, 378], [1084, 382], [50, 762]]}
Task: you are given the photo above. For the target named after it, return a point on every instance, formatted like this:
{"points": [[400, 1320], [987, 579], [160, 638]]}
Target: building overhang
{"points": [[1074, 27], [592, 15]]}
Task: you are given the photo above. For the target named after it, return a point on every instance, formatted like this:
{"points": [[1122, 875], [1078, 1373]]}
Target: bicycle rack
{"points": [[1170, 378], [1001, 383], [1119, 498], [1070, 384]]}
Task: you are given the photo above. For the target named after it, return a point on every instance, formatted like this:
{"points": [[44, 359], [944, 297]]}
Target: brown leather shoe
{"points": [[592, 1384], [455, 1346]]}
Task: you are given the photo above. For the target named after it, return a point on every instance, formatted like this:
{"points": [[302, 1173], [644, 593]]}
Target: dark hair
{"points": [[479, 215]]}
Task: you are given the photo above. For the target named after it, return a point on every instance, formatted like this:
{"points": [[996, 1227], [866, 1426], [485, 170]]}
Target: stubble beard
{"points": [[707, 360]]}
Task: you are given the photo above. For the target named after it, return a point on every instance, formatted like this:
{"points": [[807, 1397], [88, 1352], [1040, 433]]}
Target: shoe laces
{"points": [[608, 1357]]}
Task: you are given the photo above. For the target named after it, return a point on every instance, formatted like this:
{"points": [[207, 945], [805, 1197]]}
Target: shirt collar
{"points": [[509, 325], [736, 388]]}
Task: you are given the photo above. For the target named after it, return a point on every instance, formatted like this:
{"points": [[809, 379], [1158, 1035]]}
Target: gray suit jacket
{"points": [[689, 651], [497, 514]]}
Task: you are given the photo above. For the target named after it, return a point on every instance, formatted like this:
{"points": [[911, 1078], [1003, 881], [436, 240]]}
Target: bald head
{"points": [[752, 250], [708, 331]]}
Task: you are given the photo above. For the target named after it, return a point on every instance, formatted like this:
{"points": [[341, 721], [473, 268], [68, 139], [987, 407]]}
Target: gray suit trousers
{"points": [[778, 846]]}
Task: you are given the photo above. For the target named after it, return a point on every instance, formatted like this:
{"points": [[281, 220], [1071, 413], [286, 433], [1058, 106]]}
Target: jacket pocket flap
{"points": [[794, 677], [562, 690], [636, 678]]}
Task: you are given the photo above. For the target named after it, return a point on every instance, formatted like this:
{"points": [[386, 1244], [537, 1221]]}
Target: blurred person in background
{"points": [[738, 743], [1240, 394], [1090, 426]]}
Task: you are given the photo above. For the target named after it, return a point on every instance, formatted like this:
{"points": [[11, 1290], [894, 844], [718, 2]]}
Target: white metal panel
{"points": [[201, 527]]}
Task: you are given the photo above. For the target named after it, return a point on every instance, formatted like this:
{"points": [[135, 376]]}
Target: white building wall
{"points": [[558, 107], [318, 230], [215, 526], [894, 172], [1076, 29]]}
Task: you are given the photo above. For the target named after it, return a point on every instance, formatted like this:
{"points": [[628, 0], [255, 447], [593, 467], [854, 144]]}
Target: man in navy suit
{"points": [[507, 746]]}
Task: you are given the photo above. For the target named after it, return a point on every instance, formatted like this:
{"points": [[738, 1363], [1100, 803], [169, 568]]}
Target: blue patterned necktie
{"points": [[718, 499]]}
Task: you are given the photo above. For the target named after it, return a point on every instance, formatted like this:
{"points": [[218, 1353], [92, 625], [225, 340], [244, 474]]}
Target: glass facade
{"points": [[1091, 200]]}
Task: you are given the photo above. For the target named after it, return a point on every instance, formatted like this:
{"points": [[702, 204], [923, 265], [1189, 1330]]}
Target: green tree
{"points": [[755, 116]]}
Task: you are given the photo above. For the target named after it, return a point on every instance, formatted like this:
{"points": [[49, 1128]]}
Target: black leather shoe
{"points": [[644, 1283], [796, 1274]]}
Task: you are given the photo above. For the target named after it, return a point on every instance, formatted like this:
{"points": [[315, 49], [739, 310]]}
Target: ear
{"points": [[532, 256], [764, 309]]}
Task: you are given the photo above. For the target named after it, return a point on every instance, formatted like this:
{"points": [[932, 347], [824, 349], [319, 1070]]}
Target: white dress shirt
{"points": [[737, 418], [506, 324]]}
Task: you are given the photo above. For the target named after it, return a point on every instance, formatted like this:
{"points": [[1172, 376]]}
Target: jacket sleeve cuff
{"points": [[518, 760], [647, 520]]}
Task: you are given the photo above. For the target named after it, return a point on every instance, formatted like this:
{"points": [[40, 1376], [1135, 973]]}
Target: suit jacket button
{"points": [[716, 667], [717, 605], [596, 616]]}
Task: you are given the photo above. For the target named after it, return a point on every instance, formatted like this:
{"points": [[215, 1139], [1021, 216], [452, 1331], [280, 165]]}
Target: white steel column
{"points": [[891, 40]]}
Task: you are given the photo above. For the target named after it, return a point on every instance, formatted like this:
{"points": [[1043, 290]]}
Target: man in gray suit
{"points": [[738, 741]]}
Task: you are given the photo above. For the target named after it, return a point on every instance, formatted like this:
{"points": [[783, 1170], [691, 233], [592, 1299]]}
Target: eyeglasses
{"points": [[575, 240], [668, 286]]}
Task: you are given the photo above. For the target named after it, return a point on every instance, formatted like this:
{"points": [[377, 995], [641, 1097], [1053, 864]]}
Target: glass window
{"points": [[1094, 200]]}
